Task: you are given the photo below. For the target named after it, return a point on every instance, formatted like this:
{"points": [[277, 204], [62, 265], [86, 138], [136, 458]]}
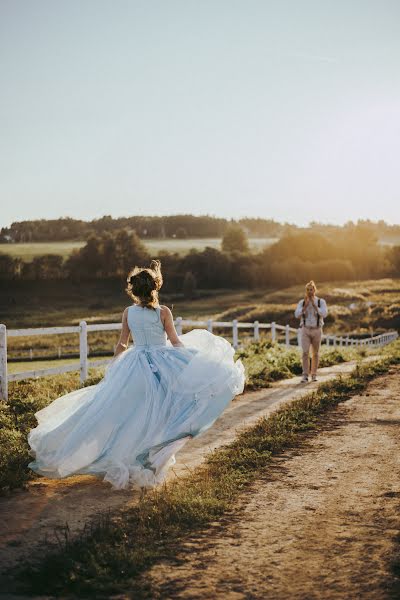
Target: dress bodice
{"points": [[146, 326]]}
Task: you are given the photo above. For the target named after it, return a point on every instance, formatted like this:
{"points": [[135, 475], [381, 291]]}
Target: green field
{"points": [[29, 365], [184, 246], [29, 251]]}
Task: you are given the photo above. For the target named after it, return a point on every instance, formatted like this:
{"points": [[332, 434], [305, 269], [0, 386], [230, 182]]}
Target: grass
{"points": [[68, 302], [29, 365], [28, 251], [182, 247], [17, 417], [46, 346], [363, 307], [265, 362], [113, 555], [360, 307]]}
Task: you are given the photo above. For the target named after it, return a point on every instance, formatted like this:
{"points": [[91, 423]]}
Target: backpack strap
{"points": [[304, 316], [319, 306]]}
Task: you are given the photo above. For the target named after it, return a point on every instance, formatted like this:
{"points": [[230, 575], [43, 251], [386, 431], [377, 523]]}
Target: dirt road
{"points": [[30, 516], [321, 525]]}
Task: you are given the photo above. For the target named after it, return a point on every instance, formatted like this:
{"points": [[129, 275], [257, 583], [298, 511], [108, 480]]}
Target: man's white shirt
{"points": [[311, 314]]}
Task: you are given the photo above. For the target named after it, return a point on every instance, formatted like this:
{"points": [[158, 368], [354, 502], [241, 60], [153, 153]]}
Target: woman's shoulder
{"points": [[165, 312]]}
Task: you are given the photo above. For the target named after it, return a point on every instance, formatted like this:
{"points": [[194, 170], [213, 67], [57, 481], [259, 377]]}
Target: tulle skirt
{"points": [[128, 427]]}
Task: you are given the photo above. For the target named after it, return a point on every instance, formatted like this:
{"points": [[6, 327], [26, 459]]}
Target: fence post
{"points": [[256, 331], [209, 325], [83, 351], [299, 337], [273, 331], [3, 363], [287, 336], [235, 333], [179, 325], [334, 341]]}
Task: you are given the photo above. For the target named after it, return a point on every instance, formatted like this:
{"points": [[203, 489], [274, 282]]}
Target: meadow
{"points": [[28, 251], [358, 308]]}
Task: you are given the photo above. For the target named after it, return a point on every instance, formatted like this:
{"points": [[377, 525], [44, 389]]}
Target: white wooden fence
{"points": [[83, 328]]}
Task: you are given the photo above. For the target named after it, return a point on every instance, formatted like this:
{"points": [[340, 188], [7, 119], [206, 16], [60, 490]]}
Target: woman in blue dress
{"points": [[156, 395]]}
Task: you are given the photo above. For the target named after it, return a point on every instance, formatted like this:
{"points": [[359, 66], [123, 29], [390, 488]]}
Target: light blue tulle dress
{"points": [[153, 398]]}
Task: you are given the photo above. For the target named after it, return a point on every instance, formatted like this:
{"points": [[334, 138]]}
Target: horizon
{"points": [[287, 112], [310, 224]]}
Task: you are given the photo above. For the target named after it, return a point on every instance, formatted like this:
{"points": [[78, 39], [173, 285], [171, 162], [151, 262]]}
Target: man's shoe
{"points": [[304, 379], [313, 378]]}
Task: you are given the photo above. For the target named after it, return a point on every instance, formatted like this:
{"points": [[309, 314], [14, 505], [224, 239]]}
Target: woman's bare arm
{"points": [[124, 337], [168, 322]]}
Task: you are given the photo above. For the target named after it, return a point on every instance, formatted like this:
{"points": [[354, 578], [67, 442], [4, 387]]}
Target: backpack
{"points": [[304, 316]]}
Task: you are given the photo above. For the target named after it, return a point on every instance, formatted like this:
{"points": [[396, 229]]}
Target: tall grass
{"points": [[17, 417], [266, 362]]}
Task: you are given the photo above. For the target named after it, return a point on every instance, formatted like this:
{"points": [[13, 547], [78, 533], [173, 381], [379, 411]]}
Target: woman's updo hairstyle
{"points": [[144, 284], [311, 284]]}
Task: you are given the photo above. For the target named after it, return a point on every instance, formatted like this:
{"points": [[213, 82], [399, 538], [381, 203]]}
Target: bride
{"points": [[155, 395]]}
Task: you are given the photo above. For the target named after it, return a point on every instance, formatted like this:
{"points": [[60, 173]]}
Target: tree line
{"points": [[173, 226], [353, 254]]}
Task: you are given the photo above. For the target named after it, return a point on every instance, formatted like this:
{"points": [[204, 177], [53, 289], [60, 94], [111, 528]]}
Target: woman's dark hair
{"points": [[144, 284]]}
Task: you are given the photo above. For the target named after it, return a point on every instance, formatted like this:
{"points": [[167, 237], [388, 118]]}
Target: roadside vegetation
{"points": [[113, 555], [17, 417], [265, 362]]}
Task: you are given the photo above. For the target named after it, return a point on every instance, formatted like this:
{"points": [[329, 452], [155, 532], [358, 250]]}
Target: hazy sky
{"points": [[279, 109]]}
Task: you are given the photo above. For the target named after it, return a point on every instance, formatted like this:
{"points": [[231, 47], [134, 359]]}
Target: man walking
{"points": [[311, 311]]}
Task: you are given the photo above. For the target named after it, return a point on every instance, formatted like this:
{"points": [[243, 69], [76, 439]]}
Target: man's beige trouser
{"points": [[310, 336]]}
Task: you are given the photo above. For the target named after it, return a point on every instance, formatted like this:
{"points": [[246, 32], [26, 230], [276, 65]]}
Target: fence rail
{"points": [[83, 328]]}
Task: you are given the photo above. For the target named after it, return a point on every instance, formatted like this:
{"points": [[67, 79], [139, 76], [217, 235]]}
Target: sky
{"points": [[280, 109]]}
